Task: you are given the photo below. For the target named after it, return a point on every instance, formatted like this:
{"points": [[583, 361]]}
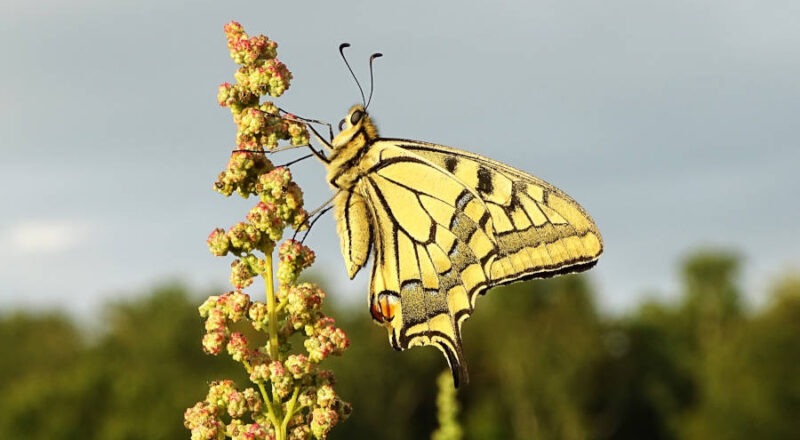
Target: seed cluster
{"points": [[291, 396]]}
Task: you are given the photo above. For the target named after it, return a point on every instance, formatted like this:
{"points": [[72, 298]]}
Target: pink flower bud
{"points": [[281, 379], [322, 420], [241, 274], [218, 242], [202, 420], [237, 347], [213, 342], [298, 365], [260, 373], [216, 320]]}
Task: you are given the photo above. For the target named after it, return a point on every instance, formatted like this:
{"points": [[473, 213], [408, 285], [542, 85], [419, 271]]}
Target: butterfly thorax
{"points": [[347, 162]]}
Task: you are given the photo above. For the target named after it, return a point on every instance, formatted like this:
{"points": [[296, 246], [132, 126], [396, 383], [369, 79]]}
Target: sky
{"points": [[674, 123]]}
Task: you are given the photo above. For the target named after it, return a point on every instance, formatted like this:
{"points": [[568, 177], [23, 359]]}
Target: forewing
{"points": [[539, 230], [434, 249]]}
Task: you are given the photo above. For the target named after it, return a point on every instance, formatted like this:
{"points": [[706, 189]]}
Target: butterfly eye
{"points": [[356, 116], [341, 125]]}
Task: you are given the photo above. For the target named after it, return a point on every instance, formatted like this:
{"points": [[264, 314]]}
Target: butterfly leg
{"points": [[314, 216]]}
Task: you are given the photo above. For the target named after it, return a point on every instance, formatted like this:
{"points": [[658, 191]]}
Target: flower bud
{"points": [[244, 237], [213, 342], [260, 373], [235, 304], [281, 379], [237, 347], [218, 242], [322, 421], [259, 316], [203, 422], [294, 257], [298, 365], [241, 274]]}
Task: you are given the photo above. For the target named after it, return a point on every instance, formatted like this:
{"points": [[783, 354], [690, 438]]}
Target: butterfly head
{"points": [[357, 127]]}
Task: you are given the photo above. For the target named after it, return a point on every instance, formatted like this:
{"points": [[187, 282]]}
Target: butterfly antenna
{"points": [[371, 78], [341, 52]]}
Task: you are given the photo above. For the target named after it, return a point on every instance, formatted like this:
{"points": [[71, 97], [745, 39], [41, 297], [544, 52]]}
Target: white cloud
{"points": [[46, 236]]}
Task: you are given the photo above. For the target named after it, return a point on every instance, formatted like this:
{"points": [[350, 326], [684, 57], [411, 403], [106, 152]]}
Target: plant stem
{"points": [[290, 409], [272, 311], [274, 406]]}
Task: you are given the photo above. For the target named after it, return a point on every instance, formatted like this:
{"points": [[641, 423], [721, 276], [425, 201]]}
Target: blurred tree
{"points": [[543, 363], [640, 383], [133, 383], [712, 297], [39, 397], [153, 366], [32, 344], [711, 313], [530, 347], [751, 387]]}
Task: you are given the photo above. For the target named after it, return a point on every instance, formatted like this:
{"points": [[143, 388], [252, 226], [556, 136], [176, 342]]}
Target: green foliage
{"points": [[529, 346], [543, 364], [151, 346], [40, 357], [750, 383], [132, 383]]}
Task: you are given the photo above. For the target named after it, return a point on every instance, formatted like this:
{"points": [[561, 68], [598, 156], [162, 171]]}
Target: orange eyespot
{"points": [[384, 307]]}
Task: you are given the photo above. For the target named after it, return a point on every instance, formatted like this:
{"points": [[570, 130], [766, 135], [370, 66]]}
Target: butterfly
{"points": [[443, 226]]}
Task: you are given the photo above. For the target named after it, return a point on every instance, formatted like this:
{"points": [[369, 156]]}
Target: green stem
{"points": [[273, 417], [268, 402], [290, 408], [273, 405], [272, 311]]}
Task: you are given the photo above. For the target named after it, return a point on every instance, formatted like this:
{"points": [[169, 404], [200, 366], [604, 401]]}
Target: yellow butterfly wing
{"points": [[540, 230], [446, 225], [433, 250]]}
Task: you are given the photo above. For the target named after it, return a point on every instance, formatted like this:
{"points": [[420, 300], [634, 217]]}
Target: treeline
{"points": [[543, 364]]}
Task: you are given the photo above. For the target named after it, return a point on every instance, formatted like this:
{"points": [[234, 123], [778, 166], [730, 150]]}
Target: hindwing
{"points": [[434, 248]]}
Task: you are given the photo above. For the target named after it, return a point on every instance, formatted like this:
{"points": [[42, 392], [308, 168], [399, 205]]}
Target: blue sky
{"points": [[674, 123]]}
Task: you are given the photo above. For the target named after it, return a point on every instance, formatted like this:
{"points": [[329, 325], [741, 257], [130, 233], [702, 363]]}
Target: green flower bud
{"points": [[213, 342], [203, 422], [322, 420], [281, 379], [241, 274], [298, 365], [218, 242], [237, 347]]}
